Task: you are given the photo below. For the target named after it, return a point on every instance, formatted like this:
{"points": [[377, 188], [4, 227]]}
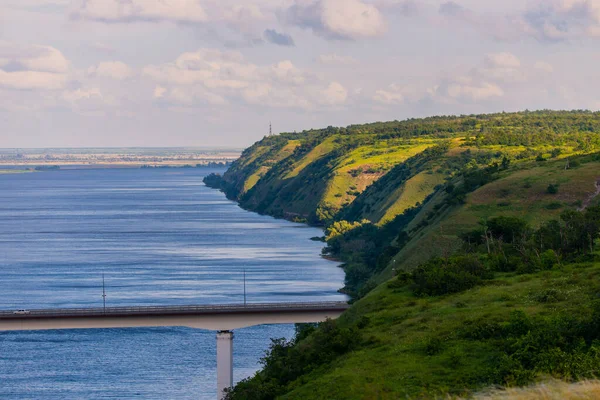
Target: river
{"points": [[159, 237]]}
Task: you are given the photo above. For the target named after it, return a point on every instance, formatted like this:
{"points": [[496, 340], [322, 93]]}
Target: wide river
{"points": [[160, 237]]}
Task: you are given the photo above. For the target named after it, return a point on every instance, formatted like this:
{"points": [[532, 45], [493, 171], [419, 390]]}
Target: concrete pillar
{"points": [[224, 362]]}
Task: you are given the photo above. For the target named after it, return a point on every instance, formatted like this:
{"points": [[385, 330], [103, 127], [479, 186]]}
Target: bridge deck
{"points": [[142, 311]]}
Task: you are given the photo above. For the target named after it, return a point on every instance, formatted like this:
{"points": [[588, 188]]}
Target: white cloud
{"points": [[111, 69], [335, 94], [391, 96], [337, 19], [219, 77], [502, 60], [544, 66], [474, 91], [74, 96], [32, 80], [140, 10], [159, 92], [335, 59], [31, 58], [32, 67]]}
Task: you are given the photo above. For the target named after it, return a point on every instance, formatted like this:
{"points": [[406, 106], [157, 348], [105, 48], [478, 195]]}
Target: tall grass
{"points": [[549, 390]]}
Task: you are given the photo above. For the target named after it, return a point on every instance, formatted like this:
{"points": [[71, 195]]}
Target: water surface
{"points": [[160, 237]]}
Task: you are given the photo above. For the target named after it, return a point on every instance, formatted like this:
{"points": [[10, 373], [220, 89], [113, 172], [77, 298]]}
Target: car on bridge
{"points": [[21, 312]]}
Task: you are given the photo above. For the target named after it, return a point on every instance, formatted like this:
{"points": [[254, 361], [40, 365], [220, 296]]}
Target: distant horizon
{"points": [[211, 148]]}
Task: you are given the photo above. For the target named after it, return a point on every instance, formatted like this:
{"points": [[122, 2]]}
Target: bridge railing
{"points": [[146, 310]]}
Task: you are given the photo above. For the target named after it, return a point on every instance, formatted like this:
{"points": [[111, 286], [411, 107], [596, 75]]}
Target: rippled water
{"points": [[160, 237]]}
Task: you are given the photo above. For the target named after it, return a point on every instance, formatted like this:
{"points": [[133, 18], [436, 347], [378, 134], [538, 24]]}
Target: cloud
{"points": [[32, 67], [544, 66], [554, 20], [31, 58], [391, 96], [452, 9], [473, 91], [545, 20], [111, 69], [281, 39], [74, 96], [505, 67], [335, 59], [337, 19], [32, 80], [502, 60], [140, 10], [334, 94], [215, 77]]}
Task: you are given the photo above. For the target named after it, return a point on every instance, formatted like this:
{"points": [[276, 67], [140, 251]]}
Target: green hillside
{"points": [[469, 245]]}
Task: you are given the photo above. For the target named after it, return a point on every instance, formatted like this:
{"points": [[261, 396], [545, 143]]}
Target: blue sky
{"points": [[79, 73]]}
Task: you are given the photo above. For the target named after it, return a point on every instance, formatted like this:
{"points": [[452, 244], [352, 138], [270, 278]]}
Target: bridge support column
{"points": [[224, 362]]}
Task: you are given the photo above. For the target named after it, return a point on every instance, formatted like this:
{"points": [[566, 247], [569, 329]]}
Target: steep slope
{"points": [[470, 248], [400, 177]]}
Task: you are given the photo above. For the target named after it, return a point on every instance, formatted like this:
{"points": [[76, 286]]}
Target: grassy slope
{"points": [[520, 193], [394, 362], [320, 176]]}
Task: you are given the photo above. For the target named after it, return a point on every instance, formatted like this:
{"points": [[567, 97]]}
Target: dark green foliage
{"points": [[286, 361], [556, 205], [561, 345], [367, 249], [444, 276], [552, 188], [214, 181], [509, 229]]}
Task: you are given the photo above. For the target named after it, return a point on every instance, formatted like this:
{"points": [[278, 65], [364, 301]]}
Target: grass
{"points": [[285, 152], [414, 191], [319, 151], [414, 347], [384, 154], [381, 157], [548, 390], [520, 193]]}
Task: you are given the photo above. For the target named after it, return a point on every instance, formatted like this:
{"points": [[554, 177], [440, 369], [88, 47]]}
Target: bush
{"points": [[552, 188], [510, 229], [554, 206], [444, 276]]}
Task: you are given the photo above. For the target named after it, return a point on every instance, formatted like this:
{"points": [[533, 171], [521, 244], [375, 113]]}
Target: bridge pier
{"points": [[224, 362]]}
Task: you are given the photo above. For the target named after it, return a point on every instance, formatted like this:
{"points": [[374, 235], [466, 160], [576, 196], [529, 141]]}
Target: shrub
{"points": [[511, 229], [554, 205], [444, 276], [552, 188]]}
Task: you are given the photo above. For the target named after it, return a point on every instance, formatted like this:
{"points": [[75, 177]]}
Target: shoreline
{"points": [[324, 256]]}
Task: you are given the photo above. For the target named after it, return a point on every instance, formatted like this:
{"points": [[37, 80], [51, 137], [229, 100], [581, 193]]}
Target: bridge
{"points": [[221, 318]]}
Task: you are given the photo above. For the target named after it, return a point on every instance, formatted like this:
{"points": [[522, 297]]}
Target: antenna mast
{"points": [[103, 293], [270, 129]]}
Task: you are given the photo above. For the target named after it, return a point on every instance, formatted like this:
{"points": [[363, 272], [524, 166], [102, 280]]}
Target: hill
{"points": [[413, 182], [469, 245]]}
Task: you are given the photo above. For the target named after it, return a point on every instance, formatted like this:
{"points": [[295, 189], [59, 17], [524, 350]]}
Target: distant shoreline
{"points": [[54, 159], [22, 168]]}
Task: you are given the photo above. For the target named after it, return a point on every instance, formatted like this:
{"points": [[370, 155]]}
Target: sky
{"points": [[114, 73]]}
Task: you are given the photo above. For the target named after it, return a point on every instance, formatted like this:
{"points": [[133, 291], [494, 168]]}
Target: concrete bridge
{"points": [[221, 318]]}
